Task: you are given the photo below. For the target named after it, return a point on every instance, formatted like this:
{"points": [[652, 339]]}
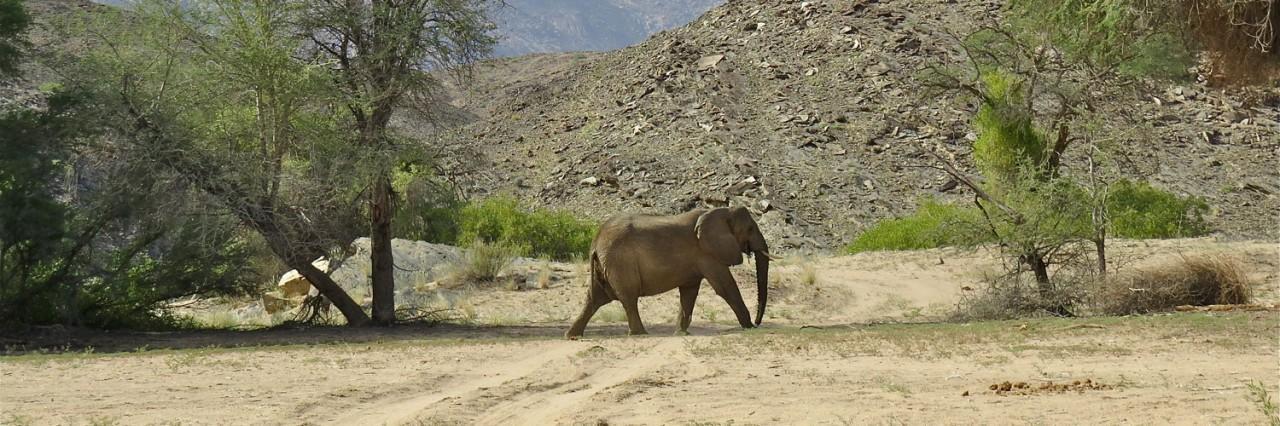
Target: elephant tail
{"points": [[599, 280]]}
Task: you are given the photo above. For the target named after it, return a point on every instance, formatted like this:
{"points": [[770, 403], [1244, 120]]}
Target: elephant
{"points": [[642, 255]]}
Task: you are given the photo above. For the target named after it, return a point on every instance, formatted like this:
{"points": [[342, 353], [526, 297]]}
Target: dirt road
{"points": [[1182, 369], [1187, 368]]}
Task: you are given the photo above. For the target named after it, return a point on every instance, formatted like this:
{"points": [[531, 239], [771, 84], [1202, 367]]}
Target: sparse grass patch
{"points": [[1197, 281], [808, 274], [16, 419], [1259, 395], [611, 313], [890, 386], [103, 421], [983, 340], [1070, 350]]}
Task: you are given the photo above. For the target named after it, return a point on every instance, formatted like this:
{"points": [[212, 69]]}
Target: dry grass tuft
{"points": [[1196, 281], [483, 262], [544, 275], [808, 274]]}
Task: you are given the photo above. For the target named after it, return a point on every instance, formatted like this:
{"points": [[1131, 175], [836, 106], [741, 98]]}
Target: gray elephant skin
{"points": [[639, 255]]}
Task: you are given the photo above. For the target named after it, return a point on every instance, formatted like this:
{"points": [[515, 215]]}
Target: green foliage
{"points": [[1138, 210], [1057, 211], [113, 253], [1054, 211], [427, 209], [934, 224], [533, 232], [1007, 138], [429, 212], [14, 21], [1135, 37]]}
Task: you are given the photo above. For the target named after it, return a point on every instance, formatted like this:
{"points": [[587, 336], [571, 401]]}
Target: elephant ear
{"points": [[715, 237]]}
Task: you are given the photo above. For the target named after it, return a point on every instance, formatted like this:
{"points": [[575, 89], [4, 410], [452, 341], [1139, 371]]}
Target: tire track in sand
{"points": [[405, 410], [548, 406]]}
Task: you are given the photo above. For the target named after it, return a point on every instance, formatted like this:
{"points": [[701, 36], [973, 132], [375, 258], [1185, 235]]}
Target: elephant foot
{"points": [[682, 332], [637, 333]]}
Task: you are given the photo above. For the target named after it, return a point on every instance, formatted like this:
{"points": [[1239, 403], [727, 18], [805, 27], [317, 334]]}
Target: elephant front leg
{"points": [[632, 306], [688, 296], [722, 281]]}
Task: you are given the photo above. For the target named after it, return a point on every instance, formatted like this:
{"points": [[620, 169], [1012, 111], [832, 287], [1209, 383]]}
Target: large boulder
{"points": [[293, 285], [416, 263]]}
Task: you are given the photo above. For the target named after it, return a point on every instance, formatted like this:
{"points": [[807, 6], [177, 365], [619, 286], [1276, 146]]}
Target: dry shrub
{"points": [[1011, 296], [1197, 281], [544, 276], [483, 262], [1240, 37]]}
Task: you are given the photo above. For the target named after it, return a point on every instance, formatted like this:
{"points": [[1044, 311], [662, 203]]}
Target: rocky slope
{"points": [[812, 114], [542, 26]]}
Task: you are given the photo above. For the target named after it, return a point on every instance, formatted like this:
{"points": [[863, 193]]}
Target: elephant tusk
{"points": [[772, 257]]}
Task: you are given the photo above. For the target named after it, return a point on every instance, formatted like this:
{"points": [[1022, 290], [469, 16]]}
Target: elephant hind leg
{"points": [[632, 306], [688, 297], [597, 296]]}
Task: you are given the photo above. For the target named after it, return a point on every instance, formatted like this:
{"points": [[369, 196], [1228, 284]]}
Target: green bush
{"points": [[934, 224], [532, 232], [114, 254], [1138, 210], [1007, 137], [1139, 38]]}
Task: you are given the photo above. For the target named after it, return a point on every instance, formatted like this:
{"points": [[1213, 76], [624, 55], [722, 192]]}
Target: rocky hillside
{"points": [[811, 113], [542, 26]]}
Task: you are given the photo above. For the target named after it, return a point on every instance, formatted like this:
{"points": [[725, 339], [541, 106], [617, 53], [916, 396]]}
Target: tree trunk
{"points": [[1041, 270], [350, 309], [300, 260], [1101, 245], [383, 262]]}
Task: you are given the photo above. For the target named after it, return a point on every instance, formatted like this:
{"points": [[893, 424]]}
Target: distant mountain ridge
{"points": [[548, 26]]}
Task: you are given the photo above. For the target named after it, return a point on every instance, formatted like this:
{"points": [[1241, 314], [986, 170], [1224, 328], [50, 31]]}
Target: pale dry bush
{"points": [[544, 275], [483, 262], [808, 274], [1188, 280], [1010, 296]]}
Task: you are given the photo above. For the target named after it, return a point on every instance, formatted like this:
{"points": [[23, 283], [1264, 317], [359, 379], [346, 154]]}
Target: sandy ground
{"points": [[827, 356]]}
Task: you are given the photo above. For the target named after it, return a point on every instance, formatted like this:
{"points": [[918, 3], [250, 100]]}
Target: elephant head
{"points": [[727, 233]]}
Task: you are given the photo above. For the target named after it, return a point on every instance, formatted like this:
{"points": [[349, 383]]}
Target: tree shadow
{"points": [[60, 340]]}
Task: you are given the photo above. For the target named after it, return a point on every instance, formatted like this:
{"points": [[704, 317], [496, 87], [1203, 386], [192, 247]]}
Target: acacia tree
{"points": [[385, 53], [211, 92], [1028, 108]]}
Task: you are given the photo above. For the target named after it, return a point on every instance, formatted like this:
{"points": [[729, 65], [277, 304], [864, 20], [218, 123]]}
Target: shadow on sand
{"points": [[57, 339]]}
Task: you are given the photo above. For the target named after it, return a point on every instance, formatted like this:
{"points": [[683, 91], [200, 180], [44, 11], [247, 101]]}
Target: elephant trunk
{"points": [[762, 284]]}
